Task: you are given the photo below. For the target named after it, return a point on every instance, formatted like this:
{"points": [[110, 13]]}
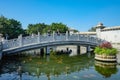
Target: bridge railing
{"points": [[37, 39], [60, 37], [10, 43], [29, 40], [46, 38]]}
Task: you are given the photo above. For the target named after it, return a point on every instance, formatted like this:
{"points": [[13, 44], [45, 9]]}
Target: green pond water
{"points": [[57, 67]]}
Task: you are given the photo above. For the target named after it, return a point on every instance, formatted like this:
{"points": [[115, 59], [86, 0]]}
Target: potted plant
{"points": [[105, 52]]}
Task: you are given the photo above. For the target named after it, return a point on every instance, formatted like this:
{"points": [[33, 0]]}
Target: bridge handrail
{"points": [[37, 39]]}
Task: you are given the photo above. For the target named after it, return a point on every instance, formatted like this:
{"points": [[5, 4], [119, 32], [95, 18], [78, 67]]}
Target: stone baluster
{"points": [[87, 38], [78, 36], [66, 35], [53, 35], [20, 40], [82, 37], [38, 37], [32, 35]]}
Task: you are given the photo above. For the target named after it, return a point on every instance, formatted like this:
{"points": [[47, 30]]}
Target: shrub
{"points": [[105, 48]]}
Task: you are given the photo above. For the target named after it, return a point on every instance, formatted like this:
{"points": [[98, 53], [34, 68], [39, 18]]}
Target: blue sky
{"points": [[77, 14]]}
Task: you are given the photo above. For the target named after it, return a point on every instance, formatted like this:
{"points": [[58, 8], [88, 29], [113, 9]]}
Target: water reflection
{"points": [[53, 65], [19, 71], [56, 67], [106, 68]]}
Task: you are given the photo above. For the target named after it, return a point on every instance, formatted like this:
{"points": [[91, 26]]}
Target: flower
{"points": [[105, 45]]}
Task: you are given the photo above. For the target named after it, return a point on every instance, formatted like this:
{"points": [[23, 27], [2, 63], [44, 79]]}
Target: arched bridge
{"points": [[36, 41]]}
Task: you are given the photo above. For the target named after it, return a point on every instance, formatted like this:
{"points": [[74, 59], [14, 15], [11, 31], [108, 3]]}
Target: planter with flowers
{"points": [[105, 52]]}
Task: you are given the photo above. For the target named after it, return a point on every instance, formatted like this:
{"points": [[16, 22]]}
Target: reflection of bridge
{"points": [[36, 41]]}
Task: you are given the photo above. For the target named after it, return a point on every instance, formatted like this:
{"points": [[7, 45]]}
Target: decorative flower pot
{"points": [[108, 58]]}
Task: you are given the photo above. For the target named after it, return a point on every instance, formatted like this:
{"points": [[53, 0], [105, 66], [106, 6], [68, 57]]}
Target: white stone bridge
{"points": [[39, 41]]}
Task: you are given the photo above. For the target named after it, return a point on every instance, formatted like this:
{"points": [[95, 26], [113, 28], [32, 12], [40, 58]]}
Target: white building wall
{"points": [[112, 36], [98, 33]]}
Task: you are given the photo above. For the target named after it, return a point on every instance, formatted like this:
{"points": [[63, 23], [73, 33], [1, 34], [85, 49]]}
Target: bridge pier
{"points": [[88, 48], [47, 50], [78, 49], [42, 52]]}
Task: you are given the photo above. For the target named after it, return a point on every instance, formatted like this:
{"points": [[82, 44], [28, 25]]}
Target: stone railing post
{"points": [[20, 40], [53, 35], [38, 37], [32, 35], [66, 35], [87, 37], [78, 36]]}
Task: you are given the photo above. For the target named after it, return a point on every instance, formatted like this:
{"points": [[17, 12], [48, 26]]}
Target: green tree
{"points": [[35, 28], [62, 28], [10, 28], [92, 29], [59, 26], [44, 28]]}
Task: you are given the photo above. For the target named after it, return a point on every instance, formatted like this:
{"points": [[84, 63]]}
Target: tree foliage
{"points": [[44, 28], [92, 29], [35, 28], [10, 28]]}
